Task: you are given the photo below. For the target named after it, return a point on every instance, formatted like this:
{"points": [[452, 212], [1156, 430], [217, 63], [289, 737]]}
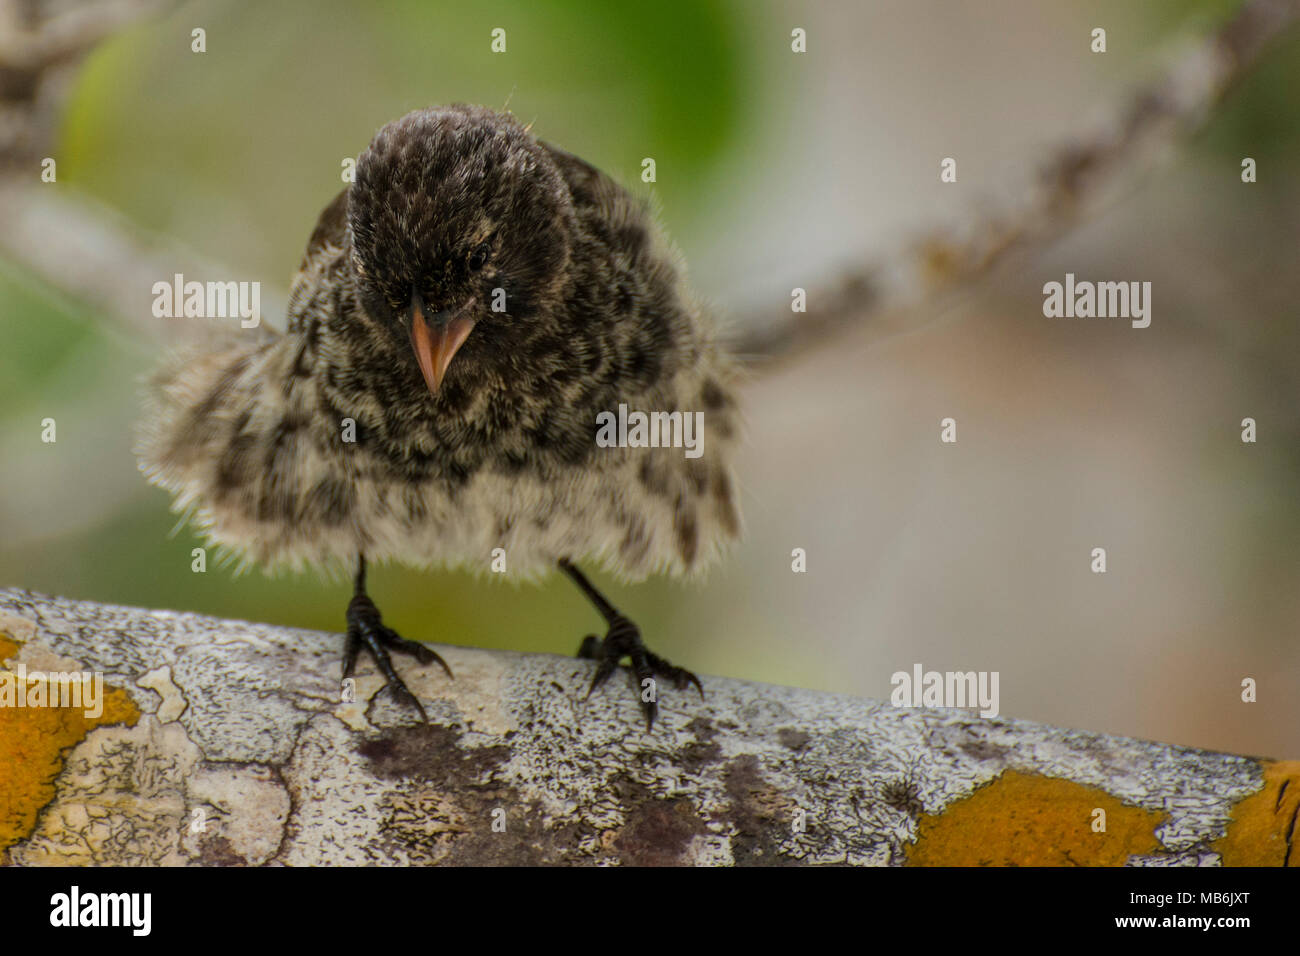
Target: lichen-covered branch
{"points": [[225, 742]]}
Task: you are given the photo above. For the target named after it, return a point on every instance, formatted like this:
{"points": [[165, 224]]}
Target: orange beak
{"points": [[436, 344]]}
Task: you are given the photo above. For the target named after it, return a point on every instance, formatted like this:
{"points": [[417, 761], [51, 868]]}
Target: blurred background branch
{"points": [[41, 43], [1075, 175], [72, 242]]}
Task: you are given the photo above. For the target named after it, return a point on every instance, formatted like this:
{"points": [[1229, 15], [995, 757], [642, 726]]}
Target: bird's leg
{"points": [[366, 629], [623, 639]]}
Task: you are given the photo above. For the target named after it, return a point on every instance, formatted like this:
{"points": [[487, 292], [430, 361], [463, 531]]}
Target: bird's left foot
{"points": [[624, 640]]}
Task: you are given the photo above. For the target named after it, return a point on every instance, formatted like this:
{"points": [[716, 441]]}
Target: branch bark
{"points": [[225, 742]]}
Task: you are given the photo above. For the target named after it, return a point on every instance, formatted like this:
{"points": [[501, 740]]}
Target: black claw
{"points": [[350, 651], [437, 659], [624, 640], [366, 629], [680, 676], [642, 673], [421, 652], [603, 670], [402, 695]]}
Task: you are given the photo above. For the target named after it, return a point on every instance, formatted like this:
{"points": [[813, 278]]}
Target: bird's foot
{"points": [[367, 630], [624, 640]]}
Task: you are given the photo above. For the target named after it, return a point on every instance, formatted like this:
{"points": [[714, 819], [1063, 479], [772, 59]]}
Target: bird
{"points": [[468, 311]]}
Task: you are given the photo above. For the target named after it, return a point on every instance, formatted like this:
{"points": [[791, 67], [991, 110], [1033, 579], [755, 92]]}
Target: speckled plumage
{"points": [[250, 437], [463, 314]]}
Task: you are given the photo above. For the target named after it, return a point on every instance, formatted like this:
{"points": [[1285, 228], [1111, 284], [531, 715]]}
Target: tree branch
{"points": [[224, 742]]}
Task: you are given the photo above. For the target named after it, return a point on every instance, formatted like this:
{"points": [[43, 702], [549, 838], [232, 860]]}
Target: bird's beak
{"points": [[437, 339]]}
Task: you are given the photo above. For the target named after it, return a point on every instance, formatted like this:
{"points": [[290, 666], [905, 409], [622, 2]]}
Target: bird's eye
{"points": [[479, 257]]}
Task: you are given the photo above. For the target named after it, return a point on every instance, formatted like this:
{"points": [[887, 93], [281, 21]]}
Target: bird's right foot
{"points": [[367, 630]]}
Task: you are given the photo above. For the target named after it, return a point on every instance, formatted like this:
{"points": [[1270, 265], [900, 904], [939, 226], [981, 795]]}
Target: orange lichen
{"points": [[33, 744], [1023, 819], [1265, 827]]}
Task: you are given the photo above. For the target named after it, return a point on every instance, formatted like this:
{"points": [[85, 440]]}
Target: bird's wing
{"points": [[331, 227], [592, 190], [327, 241]]}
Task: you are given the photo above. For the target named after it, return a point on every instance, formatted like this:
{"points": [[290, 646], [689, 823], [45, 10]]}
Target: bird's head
{"points": [[460, 225]]}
